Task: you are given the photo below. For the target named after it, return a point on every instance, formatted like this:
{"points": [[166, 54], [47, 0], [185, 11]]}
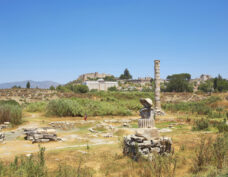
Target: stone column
{"points": [[157, 85]]}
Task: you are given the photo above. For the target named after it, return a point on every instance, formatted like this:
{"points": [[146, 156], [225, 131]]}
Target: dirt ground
{"points": [[93, 149]]}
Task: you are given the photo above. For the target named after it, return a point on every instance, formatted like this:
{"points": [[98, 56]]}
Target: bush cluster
{"points": [[10, 111], [210, 152], [73, 88], [203, 107], [80, 107], [35, 166], [201, 124], [36, 107]]}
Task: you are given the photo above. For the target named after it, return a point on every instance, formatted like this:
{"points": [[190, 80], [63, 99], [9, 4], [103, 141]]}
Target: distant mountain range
{"points": [[33, 84]]}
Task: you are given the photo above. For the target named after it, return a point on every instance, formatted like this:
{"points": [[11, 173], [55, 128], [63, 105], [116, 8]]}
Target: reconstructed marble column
{"points": [[147, 114], [157, 85]]}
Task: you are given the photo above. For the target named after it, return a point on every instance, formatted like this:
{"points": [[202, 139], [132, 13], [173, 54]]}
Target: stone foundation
{"points": [[147, 133], [136, 146], [39, 135]]}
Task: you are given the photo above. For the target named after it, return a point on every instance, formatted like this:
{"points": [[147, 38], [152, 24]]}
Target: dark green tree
{"points": [[110, 78], [112, 89], [206, 86], [126, 75], [179, 83], [220, 84], [52, 87], [78, 88], [28, 85]]}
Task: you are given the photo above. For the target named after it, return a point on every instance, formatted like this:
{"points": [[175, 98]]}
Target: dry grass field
{"points": [[84, 153]]}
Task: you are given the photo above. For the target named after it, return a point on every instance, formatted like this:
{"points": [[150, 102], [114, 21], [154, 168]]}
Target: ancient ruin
{"points": [[40, 135], [4, 125], [2, 137], [147, 114], [146, 140], [158, 110]]}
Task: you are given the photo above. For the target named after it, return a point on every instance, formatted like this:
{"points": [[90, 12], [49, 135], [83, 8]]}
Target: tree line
{"points": [[181, 83]]}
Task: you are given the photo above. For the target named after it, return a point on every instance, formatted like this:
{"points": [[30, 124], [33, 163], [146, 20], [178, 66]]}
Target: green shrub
{"points": [[202, 124], [222, 127], [64, 107], [26, 166], [10, 111], [203, 107], [11, 102], [79, 88], [36, 107], [35, 166], [52, 87], [80, 107], [210, 152], [112, 88]]}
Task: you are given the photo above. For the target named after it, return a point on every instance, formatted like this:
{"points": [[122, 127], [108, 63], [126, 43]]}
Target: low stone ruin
{"points": [[65, 125], [2, 137], [137, 145], [4, 125], [40, 135], [146, 140], [101, 126]]}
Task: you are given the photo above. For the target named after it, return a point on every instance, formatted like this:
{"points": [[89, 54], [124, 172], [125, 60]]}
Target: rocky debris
{"points": [[159, 113], [65, 125], [4, 125], [92, 130], [2, 137], [69, 124], [136, 146], [40, 135], [126, 125], [165, 130], [171, 125], [107, 135]]}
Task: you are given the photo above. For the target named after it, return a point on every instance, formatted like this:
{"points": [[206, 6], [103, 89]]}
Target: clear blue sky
{"points": [[60, 39]]}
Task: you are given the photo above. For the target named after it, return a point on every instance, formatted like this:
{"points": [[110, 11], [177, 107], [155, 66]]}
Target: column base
{"points": [[146, 123]]}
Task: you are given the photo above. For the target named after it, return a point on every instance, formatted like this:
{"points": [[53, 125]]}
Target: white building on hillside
{"points": [[100, 84]]}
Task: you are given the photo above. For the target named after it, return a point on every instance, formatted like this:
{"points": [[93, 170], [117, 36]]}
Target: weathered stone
{"points": [[134, 145], [126, 125], [155, 149], [165, 130], [147, 133], [38, 135], [92, 130], [158, 110]]}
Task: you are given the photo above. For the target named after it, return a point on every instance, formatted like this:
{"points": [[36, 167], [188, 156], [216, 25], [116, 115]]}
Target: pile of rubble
{"points": [[4, 125], [138, 145], [65, 125], [2, 137], [39, 135]]}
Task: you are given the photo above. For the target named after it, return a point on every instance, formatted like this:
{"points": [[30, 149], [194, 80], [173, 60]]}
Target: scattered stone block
{"points": [[141, 145], [40, 135], [2, 137]]}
